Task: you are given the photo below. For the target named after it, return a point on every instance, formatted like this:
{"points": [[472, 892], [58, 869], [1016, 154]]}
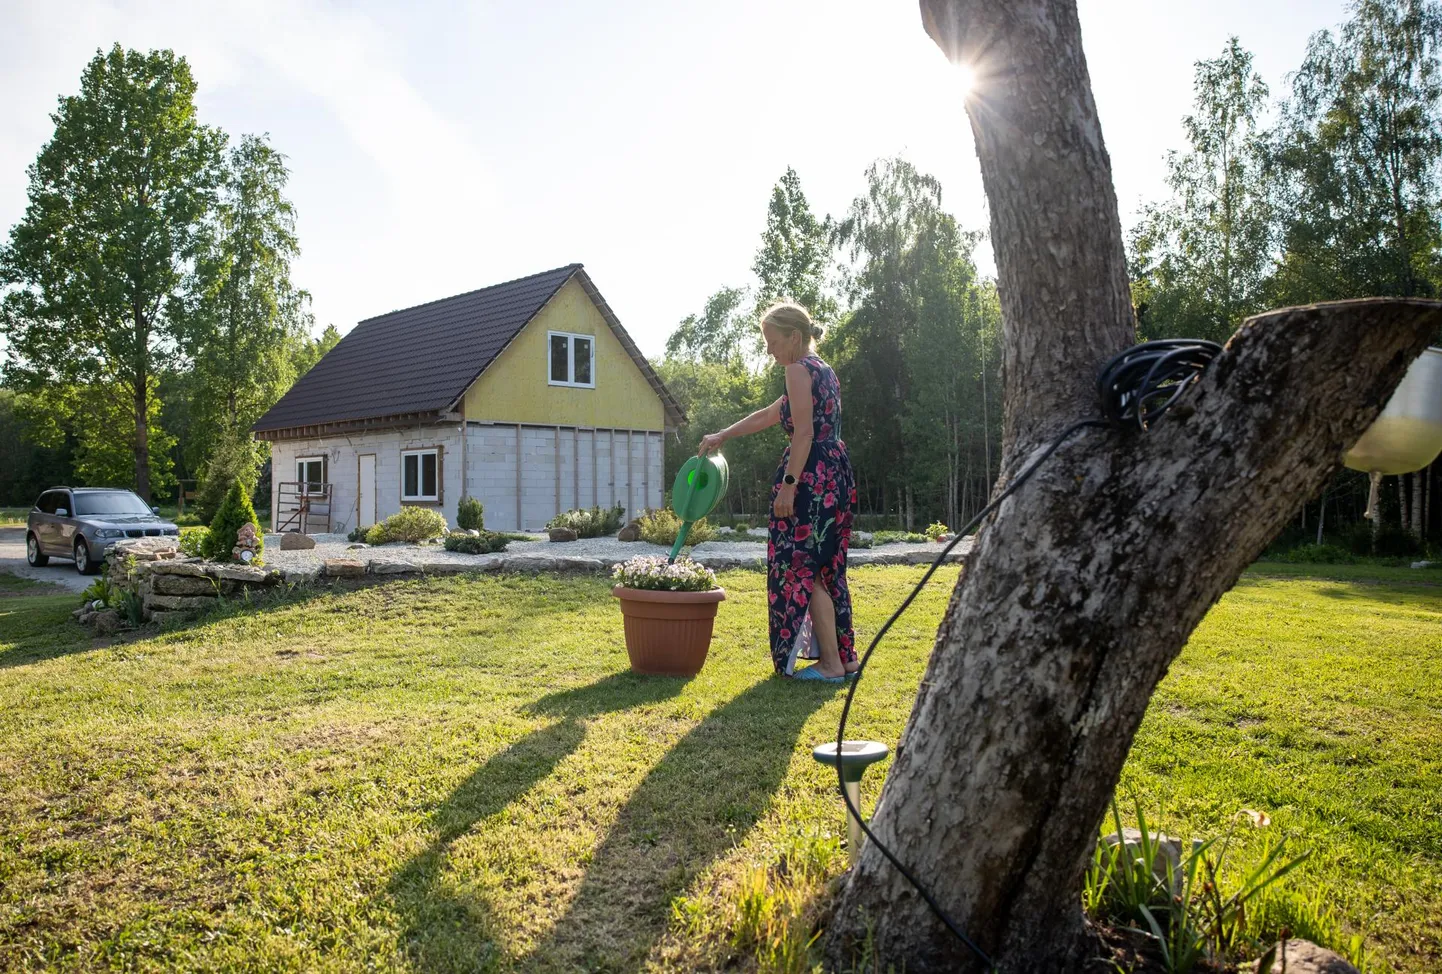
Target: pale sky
{"points": [[439, 147]]}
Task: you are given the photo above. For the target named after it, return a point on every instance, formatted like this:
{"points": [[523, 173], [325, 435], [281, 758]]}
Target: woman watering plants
{"points": [[811, 503]]}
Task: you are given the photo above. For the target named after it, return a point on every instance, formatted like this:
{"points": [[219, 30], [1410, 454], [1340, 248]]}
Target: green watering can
{"points": [[700, 484]]}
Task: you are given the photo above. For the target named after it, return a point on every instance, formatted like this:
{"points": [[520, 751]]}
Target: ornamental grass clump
{"points": [[592, 523], [661, 525], [652, 572]]}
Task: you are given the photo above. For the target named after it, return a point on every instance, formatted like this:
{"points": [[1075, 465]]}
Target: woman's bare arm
{"points": [[763, 418]]}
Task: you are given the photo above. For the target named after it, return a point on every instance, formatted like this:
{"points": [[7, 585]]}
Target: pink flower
{"points": [[830, 499], [803, 531]]}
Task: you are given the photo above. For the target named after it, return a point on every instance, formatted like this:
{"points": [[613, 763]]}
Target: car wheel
{"points": [[84, 564], [33, 554]]}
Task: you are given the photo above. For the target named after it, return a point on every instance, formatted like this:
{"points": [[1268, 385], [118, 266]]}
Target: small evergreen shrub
{"points": [[357, 534], [592, 523], [232, 459], [470, 515], [660, 526], [234, 512], [410, 525], [935, 530], [484, 544]]}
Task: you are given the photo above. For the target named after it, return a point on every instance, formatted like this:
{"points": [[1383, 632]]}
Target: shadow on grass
{"points": [[693, 806], [36, 626], [446, 931], [698, 802]]}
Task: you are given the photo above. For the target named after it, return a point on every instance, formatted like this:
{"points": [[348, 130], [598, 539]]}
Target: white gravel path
{"points": [[576, 555]]}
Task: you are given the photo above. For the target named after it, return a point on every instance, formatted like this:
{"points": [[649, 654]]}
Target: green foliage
{"points": [[102, 591], [660, 526], [1181, 904], [935, 530], [233, 460], [235, 511], [1200, 260], [484, 544], [653, 572], [357, 534], [1356, 158], [1319, 554], [892, 537], [95, 424], [409, 525], [795, 255], [592, 523], [470, 514], [243, 333], [100, 261], [725, 333], [192, 543], [26, 466], [131, 607]]}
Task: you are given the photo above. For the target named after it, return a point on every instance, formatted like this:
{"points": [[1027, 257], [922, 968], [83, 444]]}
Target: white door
{"points": [[366, 492]]}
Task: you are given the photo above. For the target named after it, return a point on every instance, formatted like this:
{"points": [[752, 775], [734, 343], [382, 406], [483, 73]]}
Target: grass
{"points": [[460, 774]]}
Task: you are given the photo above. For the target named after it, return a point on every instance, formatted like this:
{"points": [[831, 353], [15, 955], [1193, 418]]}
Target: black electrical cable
{"points": [[1135, 387]]}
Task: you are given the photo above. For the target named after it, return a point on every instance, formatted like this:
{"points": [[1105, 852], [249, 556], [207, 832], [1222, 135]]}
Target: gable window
{"points": [[572, 359], [420, 475], [310, 474]]}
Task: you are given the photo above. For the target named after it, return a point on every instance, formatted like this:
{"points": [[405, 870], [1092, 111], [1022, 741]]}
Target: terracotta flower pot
{"points": [[668, 633]]}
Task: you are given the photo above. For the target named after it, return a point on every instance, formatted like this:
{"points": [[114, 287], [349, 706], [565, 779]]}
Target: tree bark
{"points": [[1087, 583]]}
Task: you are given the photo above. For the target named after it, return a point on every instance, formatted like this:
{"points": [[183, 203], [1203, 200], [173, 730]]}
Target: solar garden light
{"points": [[855, 758], [1407, 436]]}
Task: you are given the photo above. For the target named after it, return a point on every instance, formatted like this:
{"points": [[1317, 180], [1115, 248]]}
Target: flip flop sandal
{"points": [[814, 674]]}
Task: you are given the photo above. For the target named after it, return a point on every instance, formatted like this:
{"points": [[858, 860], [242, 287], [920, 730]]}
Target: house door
{"points": [[366, 492]]}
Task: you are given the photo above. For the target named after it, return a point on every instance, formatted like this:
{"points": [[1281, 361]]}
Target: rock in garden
{"points": [[106, 623], [191, 569], [344, 568], [295, 541], [1305, 957], [171, 603], [182, 585], [563, 534], [144, 549], [301, 574], [631, 532], [356, 546], [529, 563], [1167, 849], [240, 573], [393, 567]]}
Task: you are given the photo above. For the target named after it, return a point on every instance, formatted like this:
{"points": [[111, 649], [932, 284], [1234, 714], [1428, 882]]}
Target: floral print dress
{"points": [[809, 548]]}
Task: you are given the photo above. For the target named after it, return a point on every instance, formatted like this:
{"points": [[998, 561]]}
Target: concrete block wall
{"points": [[593, 470]]}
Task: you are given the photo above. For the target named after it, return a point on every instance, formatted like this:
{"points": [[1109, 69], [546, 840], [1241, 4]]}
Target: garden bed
{"points": [[587, 554]]}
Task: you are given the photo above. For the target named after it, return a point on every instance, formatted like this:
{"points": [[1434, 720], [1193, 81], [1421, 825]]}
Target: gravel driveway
{"points": [[607, 550], [60, 571]]}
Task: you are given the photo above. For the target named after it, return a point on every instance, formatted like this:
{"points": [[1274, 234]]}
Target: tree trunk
{"points": [[142, 438], [1321, 515], [1416, 509], [1086, 585], [1402, 501]]}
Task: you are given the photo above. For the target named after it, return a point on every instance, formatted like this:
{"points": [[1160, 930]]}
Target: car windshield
{"points": [[110, 502]]}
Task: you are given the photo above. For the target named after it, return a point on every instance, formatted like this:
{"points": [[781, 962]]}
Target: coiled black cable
{"points": [[1136, 387]]}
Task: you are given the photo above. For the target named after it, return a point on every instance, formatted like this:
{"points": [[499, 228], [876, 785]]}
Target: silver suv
{"points": [[83, 523]]}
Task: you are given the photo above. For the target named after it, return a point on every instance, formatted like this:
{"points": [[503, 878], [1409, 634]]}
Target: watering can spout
{"points": [[700, 484]]}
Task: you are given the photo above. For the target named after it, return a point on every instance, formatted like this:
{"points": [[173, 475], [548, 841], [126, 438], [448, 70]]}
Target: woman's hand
{"points": [[710, 443], [785, 504]]}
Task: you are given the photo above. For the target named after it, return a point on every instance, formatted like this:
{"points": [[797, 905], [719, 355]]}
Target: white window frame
{"points": [[420, 476], [570, 359], [304, 481]]}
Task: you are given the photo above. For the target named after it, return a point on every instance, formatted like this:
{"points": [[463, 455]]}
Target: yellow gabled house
{"points": [[527, 395]]}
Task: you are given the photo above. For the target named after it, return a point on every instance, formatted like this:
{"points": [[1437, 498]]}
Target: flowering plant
{"points": [[653, 572]]}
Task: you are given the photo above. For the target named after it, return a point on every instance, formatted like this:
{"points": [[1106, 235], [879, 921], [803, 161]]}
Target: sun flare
{"points": [[965, 79]]}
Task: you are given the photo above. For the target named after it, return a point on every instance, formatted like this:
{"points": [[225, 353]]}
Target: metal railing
{"points": [[303, 505]]}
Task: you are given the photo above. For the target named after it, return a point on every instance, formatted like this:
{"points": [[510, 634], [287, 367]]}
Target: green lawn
{"points": [[461, 775]]}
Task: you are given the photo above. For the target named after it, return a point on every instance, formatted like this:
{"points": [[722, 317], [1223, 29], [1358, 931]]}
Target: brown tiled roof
{"points": [[422, 359]]}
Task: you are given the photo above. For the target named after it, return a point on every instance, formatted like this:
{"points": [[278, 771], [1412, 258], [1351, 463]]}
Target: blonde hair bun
{"points": [[788, 316]]}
